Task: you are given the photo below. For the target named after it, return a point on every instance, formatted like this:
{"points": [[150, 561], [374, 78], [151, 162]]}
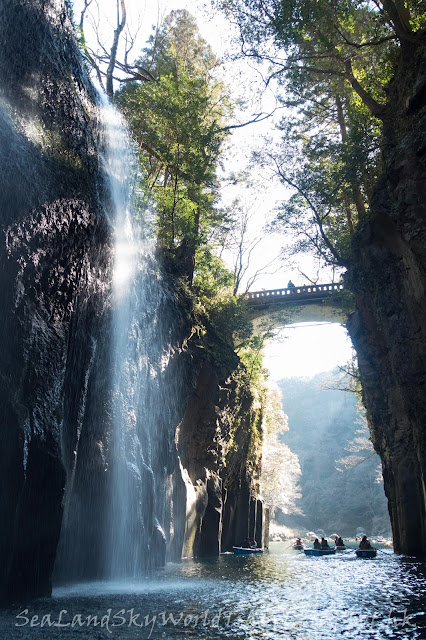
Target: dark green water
{"points": [[280, 594]]}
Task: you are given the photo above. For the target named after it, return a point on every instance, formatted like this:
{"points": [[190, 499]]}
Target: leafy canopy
{"points": [[178, 124], [332, 62]]}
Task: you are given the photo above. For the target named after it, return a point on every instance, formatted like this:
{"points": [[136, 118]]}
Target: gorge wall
{"points": [[191, 463], [53, 274], [388, 277]]}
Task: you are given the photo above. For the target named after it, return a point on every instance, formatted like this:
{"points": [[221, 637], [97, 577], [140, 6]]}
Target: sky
{"points": [[303, 350], [306, 349]]}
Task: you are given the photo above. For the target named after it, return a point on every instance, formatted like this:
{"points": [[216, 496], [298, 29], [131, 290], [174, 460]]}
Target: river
{"points": [[280, 594]]}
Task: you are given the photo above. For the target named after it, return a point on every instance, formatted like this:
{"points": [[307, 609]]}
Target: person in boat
{"points": [[324, 544], [339, 542], [246, 543], [317, 544], [365, 543], [298, 542]]}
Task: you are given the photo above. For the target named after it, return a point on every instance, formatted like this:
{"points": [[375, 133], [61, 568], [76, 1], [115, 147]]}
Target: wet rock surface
{"points": [[53, 272]]}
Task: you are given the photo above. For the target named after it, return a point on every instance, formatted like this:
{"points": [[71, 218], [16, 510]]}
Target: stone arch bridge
{"points": [[308, 303]]}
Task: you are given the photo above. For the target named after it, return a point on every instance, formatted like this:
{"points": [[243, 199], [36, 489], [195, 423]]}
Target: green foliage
{"points": [[251, 356], [177, 121], [212, 281], [178, 42], [213, 299], [333, 62]]}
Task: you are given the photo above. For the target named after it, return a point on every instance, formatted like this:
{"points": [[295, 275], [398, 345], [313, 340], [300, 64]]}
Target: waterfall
{"points": [[136, 347], [126, 490], [122, 495]]}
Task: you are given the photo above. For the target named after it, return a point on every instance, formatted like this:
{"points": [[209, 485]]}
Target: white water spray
{"points": [[132, 486], [125, 496]]}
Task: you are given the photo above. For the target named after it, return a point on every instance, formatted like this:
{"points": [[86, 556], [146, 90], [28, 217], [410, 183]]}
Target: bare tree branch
{"points": [[318, 218], [258, 117], [113, 52], [86, 5], [360, 45]]}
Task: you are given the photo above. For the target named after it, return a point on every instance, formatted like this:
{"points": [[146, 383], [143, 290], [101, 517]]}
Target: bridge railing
{"points": [[291, 294]]}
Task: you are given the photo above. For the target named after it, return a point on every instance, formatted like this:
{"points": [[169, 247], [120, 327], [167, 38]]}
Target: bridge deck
{"points": [[303, 294]]}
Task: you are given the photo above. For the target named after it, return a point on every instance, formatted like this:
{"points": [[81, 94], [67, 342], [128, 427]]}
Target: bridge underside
{"points": [[281, 307], [274, 316]]}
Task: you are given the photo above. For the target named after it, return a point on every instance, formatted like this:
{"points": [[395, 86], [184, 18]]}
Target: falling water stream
{"points": [[117, 513], [121, 547], [137, 346]]}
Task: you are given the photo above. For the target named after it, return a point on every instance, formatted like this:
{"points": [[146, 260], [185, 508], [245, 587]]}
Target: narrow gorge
{"points": [[129, 438]]}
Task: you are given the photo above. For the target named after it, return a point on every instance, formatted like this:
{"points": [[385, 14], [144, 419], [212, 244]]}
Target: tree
{"points": [[241, 243], [177, 122], [178, 42], [107, 57], [280, 466], [334, 60]]}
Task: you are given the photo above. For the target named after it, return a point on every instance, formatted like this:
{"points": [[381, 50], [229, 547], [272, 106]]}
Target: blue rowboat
{"points": [[341, 548], [245, 550], [366, 553], [320, 552], [298, 546]]}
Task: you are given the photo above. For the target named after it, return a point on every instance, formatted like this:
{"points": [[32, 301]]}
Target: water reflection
{"points": [[282, 594]]}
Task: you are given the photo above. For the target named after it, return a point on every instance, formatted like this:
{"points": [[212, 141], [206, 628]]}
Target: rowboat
{"points": [[366, 553], [298, 546], [341, 547], [320, 552], [246, 550]]}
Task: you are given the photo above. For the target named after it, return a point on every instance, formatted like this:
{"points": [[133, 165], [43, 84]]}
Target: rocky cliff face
{"points": [[53, 295], [219, 440], [56, 365], [389, 330]]}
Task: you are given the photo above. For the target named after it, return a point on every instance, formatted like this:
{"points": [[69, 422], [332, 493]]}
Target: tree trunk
{"points": [[113, 53]]}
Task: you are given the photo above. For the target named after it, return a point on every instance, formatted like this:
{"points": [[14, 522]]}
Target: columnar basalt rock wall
{"points": [[214, 441], [389, 328]]}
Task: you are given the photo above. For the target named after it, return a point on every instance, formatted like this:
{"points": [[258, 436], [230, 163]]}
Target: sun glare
{"points": [[305, 349], [124, 265]]}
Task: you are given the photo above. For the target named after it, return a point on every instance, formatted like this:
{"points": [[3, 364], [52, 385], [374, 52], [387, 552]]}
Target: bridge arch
{"points": [[281, 307]]}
